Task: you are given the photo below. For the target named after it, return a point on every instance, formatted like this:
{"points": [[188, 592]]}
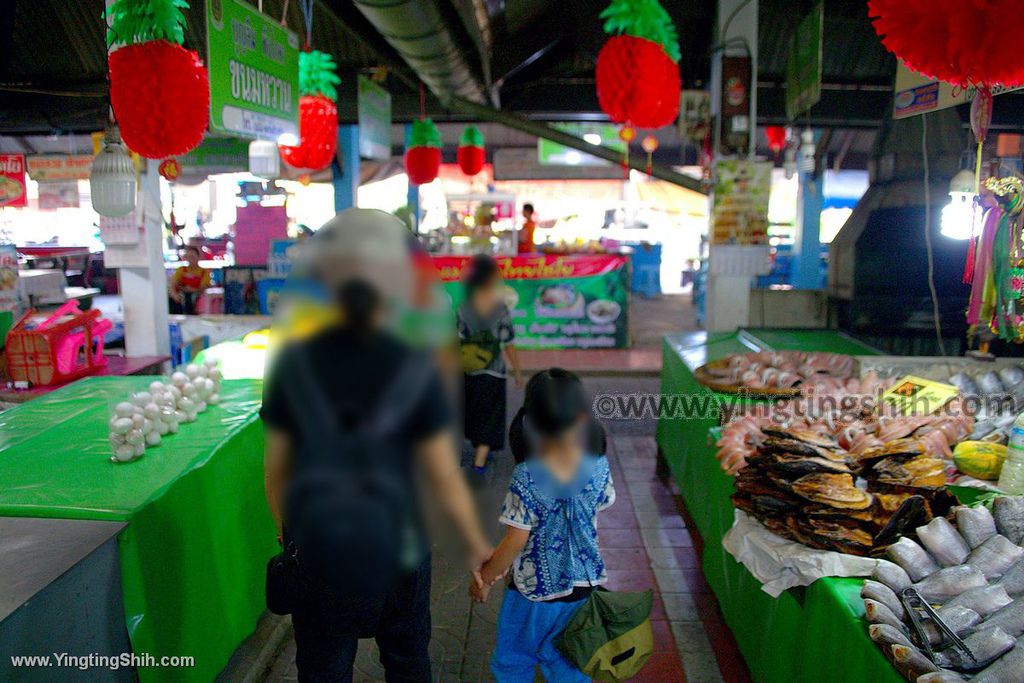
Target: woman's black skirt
{"points": [[483, 403]]}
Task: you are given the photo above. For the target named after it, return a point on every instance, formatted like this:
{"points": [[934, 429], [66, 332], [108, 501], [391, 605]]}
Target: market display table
{"points": [[117, 366], [61, 592], [193, 554], [805, 635]]}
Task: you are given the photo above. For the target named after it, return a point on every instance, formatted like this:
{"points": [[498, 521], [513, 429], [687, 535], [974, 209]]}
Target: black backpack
{"points": [[348, 511]]}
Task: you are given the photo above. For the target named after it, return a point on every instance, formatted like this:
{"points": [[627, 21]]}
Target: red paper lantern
{"points": [[637, 82], [776, 138], [318, 114], [160, 93], [963, 42], [423, 152], [470, 154]]}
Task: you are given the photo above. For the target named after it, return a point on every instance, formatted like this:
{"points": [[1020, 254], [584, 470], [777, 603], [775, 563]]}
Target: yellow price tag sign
{"points": [[916, 396]]}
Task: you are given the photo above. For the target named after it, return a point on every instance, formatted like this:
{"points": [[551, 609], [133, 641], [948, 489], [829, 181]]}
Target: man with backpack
{"points": [[349, 414]]}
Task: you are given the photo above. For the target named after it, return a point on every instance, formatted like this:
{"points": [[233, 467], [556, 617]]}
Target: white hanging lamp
{"points": [[264, 159], [112, 178]]}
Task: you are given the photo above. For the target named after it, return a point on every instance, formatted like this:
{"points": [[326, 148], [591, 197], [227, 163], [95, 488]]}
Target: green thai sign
{"points": [[803, 68], [558, 302], [374, 106], [551, 153], [254, 72]]}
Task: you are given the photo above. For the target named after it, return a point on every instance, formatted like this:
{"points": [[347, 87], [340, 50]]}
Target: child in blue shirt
{"points": [[550, 543]]}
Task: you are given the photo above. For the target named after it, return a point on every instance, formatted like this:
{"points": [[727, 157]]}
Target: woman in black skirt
{"points": [[485, 338]]}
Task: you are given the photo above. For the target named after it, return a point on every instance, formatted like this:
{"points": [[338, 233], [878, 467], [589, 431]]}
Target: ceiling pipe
{"points": [[542, 130], [418, 32]]}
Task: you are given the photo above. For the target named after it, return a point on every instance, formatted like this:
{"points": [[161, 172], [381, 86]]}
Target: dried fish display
{"points": [[972, 579], [803, 486]]}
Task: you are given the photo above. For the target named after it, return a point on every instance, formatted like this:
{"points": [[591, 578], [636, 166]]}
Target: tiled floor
{"points": [[645, 543]]}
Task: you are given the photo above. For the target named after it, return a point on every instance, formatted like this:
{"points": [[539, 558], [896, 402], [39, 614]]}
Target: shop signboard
{"points": [[558, 301], [45, 168], [62, 195], [254, 70], [8, 278], [374, 107], [13, 182], [551, 153], [803, 68], [917, 94], [216, 155], [740, 202], [694, 115]]}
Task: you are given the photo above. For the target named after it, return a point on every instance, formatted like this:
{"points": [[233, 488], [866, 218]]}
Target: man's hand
{"points": [[478, 591], [519, 380], [476, 562]]}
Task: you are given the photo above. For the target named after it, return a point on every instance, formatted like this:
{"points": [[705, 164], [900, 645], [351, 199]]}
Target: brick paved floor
{"points": [[645, 543]]}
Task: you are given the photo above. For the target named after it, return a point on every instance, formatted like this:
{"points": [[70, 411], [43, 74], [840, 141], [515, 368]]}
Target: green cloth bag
{"points": [[610, 638]]}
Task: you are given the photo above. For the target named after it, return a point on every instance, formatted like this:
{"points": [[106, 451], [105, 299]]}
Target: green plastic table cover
{"points": [[194, 553], [805, 635]]}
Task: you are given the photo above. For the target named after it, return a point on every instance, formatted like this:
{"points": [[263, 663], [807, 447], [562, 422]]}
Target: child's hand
{"points": [[519, 380], [478, 592]]}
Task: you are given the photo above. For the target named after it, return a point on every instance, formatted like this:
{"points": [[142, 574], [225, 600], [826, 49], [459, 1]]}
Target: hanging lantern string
{"points": [[423, 101], [307, 16], [284, 14]]}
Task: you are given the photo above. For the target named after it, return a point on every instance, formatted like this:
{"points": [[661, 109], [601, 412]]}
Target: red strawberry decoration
{"points": [[470, 153], [423, 152], [318, 114], [638, 80], [159, 91]]}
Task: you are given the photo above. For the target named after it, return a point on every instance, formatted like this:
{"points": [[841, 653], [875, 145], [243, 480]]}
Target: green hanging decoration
{"points": [[424, 134], [318, 74], [642, 19], [140, 21]]}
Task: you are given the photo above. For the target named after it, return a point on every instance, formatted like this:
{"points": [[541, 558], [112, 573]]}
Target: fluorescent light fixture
{"points": [[573, 158], [288, 139], [592, 138]]}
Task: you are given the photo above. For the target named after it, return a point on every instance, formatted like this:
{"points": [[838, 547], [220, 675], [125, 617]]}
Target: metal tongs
{"points": [[915, 605]]}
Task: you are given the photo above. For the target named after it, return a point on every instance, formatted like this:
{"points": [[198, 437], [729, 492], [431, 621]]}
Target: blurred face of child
{"points": [[489, 296]]}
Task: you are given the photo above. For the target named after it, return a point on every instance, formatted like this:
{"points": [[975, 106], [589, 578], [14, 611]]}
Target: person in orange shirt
{"points": [[526, 232], [188, 283]]}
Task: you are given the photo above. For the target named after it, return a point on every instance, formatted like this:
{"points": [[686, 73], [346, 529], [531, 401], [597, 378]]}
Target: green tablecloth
{"points": [[813, 634], [194, 553]]}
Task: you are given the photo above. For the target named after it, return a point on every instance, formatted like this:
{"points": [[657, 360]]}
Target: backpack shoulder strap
{"points": [[309, 401], [402, 394]]}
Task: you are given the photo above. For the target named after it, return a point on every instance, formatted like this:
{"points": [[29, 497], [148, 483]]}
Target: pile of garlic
{"points": [[148, 416]]}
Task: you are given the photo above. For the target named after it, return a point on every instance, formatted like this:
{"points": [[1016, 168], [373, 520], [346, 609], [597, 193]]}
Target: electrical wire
{"points": [[928, 234], [728, 22]]}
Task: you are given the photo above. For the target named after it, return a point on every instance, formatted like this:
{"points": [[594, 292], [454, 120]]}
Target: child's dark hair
{"points": [[554, 401], [482, 270]]}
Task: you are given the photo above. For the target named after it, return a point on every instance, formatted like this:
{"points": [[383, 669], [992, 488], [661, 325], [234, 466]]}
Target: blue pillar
{"points": [[807, 245], [346, 178], [413, 195]]}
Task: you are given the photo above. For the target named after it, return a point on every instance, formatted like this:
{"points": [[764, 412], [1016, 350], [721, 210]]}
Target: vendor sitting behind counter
{"points": [[188, 283]]}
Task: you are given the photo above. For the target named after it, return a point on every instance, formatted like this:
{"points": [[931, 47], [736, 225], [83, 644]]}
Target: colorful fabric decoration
{"points": [[159, 91], [637, 72], [963, 43], [318, 113], [1001, 283], [423, 152], [470, 154]]}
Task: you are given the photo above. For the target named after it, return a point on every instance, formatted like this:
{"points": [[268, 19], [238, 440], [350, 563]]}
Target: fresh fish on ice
{"points": [[1013, 580], [943, 541], [913, 558], [1009, 514], [995, 556], [879, 592], [989, 383], [976, 525], [1007, 669], [1011, 376], [910, 661], [877, 613], [949, 582], [892, 575], [960, 621], [986, 645], [984, 600], [1009, 618], [943, 676], [964, 383], [885, 635]]}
